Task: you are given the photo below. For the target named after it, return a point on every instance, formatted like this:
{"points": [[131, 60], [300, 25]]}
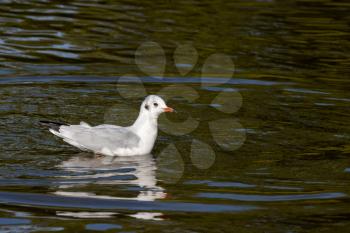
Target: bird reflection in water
{"points": [[135, 173]]}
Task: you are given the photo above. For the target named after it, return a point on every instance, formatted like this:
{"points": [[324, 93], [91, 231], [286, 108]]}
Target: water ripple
{"points": [[42, 200], [272, 198]]}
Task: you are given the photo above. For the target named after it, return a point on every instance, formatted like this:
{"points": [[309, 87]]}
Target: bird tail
{"points": [[52, 125]]}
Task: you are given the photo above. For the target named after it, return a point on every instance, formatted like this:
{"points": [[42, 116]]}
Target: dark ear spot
{"points": [[147, 107]]}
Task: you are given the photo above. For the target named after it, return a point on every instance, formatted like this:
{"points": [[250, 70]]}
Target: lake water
{"points": [[259, 143]]}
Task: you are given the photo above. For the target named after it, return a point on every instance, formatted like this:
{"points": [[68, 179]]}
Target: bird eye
{"points": [[155, 104]]}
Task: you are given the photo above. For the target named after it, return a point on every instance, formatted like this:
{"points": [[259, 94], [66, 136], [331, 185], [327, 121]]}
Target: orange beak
{"points": [[168, 109]]}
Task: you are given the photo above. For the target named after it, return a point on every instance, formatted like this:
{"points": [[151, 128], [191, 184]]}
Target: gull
{"points": [[113, 140]]}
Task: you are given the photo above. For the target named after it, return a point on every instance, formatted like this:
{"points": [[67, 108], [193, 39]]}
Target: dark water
{"points": [[267, 148]]}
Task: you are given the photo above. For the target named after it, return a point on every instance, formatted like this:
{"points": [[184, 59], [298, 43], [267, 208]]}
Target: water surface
{"points": [[63, 60]]}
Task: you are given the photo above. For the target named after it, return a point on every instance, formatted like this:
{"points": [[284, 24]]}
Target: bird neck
{"points": [[145, 125]]}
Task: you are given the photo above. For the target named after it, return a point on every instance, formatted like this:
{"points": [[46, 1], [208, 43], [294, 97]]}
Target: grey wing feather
{"points": [[107, 126], [97, 138]]}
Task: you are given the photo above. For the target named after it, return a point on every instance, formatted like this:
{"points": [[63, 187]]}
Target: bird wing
{"points": [[97, 138]]}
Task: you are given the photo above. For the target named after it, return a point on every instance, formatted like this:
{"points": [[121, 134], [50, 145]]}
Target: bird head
{"points": [[154, 105]]}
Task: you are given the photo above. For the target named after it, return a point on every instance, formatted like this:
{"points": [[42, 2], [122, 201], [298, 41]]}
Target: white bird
{"points": [[112, 140]]}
